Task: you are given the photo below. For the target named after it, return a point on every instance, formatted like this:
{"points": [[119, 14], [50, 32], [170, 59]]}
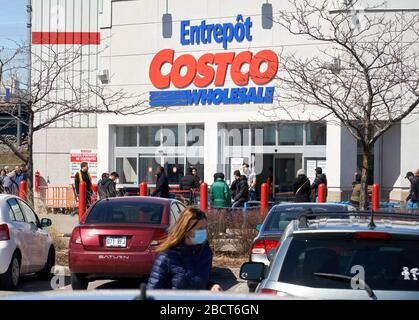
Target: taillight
{"points": [[263, 246], [372, 235], [158, 236], [76, 236], [4, 232]]}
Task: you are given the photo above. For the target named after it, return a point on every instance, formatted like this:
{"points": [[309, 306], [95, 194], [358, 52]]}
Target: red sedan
{"points": [[117, 238]]}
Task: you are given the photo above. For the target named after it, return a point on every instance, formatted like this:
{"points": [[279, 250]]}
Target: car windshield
{"points": [[386, 264], [125, 212], [280, 218]]}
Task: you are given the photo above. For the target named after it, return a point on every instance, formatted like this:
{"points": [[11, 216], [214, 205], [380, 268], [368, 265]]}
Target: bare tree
{"points": [[365, 78], [58, 91]]}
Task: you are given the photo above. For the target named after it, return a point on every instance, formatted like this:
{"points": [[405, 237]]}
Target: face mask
{"points": [[200, 236]]}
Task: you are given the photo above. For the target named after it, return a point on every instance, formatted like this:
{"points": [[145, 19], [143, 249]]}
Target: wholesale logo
{"points": [[249, 71]]}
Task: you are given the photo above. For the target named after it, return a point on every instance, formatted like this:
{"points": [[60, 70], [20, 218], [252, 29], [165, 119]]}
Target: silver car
{"points": [[278, 218], [358, 257], [26, 246]]}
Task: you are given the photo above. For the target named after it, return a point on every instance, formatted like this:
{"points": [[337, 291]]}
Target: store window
{"points": [[264, 134], [316, 134], [195, 135], [126, 136], [175, 169], [291, 134], [171, 137], [237, 134], [150, 136], [147, 167], [127, 170]]}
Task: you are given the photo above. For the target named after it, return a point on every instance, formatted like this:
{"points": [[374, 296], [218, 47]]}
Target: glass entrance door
{"points": [[174, 167], [285, 170]]}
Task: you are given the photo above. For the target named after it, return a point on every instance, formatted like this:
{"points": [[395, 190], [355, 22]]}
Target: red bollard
{"points": [[82, 199], [375, 197], [321, 193], [203, 196], [264, 194], [143, 189], [22, 190], [36, 181]]}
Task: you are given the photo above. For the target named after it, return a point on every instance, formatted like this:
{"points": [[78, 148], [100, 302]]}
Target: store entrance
{"points": [[173, 167], [280, 171]]}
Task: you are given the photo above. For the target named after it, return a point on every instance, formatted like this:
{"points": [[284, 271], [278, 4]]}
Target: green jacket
{"points": [[220, 194]]}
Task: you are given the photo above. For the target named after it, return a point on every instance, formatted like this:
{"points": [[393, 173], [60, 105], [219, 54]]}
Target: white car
{"points": [[26, 246]]}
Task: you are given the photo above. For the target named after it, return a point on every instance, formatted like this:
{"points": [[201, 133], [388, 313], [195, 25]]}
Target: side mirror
{"points": [[272, 252], [45, 222], [253, 271], [258, 227]]}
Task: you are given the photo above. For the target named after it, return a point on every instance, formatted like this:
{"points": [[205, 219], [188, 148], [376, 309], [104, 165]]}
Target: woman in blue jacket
{"points": [[184, 259]]}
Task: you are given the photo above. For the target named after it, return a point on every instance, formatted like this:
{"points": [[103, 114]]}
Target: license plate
{"points": [[116, 242]]}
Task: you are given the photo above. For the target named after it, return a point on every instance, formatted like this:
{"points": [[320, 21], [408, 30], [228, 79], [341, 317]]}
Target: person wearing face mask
{"points": [[184, 258]]}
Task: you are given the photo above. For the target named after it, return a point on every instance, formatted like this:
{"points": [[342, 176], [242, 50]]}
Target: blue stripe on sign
{"points": [[166, 102], [182, 93]]}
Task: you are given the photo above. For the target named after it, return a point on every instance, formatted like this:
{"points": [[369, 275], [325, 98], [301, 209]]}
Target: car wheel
{"points": [[10, 279], [79, 281], [45, 273]]}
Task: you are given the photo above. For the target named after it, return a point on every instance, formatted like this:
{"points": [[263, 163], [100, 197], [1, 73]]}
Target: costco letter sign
{"points": [[208, 73]]}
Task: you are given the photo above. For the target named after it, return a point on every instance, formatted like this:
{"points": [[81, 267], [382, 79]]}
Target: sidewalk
{"points": [[63, 223]]}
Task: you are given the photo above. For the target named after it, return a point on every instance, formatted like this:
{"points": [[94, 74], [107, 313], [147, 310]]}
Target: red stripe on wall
{"points": [[66, 38]]}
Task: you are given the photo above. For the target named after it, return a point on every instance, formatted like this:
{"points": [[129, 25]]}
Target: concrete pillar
{"points": [[210, 150], [341, 161]]}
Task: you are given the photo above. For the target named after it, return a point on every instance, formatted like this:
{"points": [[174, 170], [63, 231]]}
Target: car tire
{"points": [[45, 273], [79, 281], [10, 279]]}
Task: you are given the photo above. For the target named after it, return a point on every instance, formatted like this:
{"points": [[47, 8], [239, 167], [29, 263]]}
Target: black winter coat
{"points": [[242, 190], [107, 189], [302, 185], [320, 178], [414, 190], [188, 182], [162, 186], [182, 267], [234, 188], [86, 178]]}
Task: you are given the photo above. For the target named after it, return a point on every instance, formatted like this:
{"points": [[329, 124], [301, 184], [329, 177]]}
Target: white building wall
{"points": [[74, 131], [131, 34]]}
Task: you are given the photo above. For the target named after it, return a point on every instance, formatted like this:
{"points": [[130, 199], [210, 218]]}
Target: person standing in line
{"points": [[301, 187], [188, 181], [242, 195], [251, 180], [107, 186], [198, 180], [320, 178], [10, 185], [20, 175], [162, 184], [184, 259], [235, 184], [413, 197], [220, 193], [356, 191], [84, 175], [2, 176]]}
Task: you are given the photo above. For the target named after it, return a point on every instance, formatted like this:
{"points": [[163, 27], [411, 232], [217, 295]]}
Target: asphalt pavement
{"points": [[64, 224]]}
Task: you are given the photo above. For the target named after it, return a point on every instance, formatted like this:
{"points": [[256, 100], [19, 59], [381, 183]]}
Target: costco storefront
{"points": [[208, 71]]}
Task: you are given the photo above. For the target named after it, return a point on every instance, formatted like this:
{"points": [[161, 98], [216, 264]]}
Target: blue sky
{"points": [[12, 20]]}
